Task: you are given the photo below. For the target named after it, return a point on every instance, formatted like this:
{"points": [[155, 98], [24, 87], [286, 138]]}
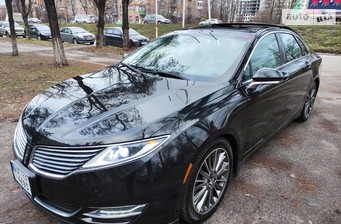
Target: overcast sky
{"points": [[2, 2]]}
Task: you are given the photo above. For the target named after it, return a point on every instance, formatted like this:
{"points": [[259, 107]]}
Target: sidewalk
{"points": [[73, 52]]}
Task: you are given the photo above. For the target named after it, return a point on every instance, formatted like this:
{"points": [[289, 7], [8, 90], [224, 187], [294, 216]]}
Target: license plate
{"points": [[144, 42], [21, 177]]}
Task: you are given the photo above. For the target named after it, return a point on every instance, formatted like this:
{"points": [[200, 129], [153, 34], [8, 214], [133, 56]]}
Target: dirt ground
{"points": [[294, 178]]}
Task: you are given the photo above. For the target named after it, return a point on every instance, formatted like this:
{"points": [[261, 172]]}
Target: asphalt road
{"points": [[294, 178]]}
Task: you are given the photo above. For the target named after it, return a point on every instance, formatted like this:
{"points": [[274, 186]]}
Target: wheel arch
{"points": [[317, 82], [234, 145]]}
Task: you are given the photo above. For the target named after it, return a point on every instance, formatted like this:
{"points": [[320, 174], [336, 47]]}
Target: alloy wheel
{"points": [[308, 107], [211, 181]]}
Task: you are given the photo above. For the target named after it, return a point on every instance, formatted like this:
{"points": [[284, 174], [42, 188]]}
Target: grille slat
{"points": [[42, 160], [70, 155], [47, 169], [20, 141], [63, 168], [61, 159], [59, 162]]}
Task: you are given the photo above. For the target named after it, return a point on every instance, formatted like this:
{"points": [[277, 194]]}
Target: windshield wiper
{"points": [[140, 69], [160, 73], [131, 67]]}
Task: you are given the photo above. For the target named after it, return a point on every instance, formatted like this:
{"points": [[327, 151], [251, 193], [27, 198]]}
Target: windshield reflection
{"points": [[193, 54]]}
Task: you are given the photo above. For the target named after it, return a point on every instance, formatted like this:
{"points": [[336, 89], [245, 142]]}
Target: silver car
{"points": [[77, 35], [152, 18], [5, 29]]}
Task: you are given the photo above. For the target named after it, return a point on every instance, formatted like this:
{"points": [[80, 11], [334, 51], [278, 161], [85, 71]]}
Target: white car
{"points": [[33, 20], [83, 18], [5, 29], [212, 21]]}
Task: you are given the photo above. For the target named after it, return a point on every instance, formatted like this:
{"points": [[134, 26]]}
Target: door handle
{"points": [[307, 64]]}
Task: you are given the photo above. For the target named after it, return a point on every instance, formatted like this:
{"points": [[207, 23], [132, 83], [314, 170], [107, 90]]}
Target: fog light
{"points": [[116, 212]]}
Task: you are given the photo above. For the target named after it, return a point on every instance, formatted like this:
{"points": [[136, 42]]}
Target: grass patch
{"points": [[321, 38], [23, 77]]}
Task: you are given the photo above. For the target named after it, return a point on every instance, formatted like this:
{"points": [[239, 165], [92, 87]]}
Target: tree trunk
{"points": [[100, 24], [25, 12], [58, 48], [125, 24], [9, 7]]}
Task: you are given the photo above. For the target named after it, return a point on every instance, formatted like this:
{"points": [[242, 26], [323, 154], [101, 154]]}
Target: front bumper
{"points": [[85, 41], [149, 183]]}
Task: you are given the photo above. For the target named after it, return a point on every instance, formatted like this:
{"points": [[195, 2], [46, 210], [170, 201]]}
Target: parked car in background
{"points": [[6, 31], [157, 137], [40, 31], [77, 35], [33, 20], [83, 18], [114, 36], [152, 18], [212, 21]]}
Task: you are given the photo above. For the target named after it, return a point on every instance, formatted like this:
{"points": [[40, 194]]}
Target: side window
{"points": [[266, 54], [247, 73], [291, 47], [303, 47]]}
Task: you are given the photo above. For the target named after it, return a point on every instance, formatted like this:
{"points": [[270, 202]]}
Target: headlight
{"points": [[123, 153]]}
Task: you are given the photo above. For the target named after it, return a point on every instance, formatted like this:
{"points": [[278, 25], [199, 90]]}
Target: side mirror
{"points": [[266, 76], [125, 55]]}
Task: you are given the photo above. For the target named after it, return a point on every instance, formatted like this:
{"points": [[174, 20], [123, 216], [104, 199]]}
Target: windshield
{"points": [[193, 54], [132, 32], [43, 28], [78, 30]]}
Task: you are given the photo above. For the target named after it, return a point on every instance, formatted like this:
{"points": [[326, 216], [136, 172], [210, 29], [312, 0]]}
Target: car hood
{"points": [[110, 106], [138, 37], [84, 34], [46, 32]]}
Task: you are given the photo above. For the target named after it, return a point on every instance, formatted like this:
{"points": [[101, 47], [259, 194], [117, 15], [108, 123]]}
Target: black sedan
{"points": [[114, 36], [40, 31], [157, 137]]}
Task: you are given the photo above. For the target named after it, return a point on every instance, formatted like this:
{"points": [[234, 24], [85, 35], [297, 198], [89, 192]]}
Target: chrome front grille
{"points": [[59, 162], [19, 141]]}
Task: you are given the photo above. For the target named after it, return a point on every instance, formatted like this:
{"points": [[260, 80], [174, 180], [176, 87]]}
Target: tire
{"points": [[204, 183], [7, 34], [39, 37], [158, 22], [309, 103], [145, 22], [91, 43], [75, 41]]}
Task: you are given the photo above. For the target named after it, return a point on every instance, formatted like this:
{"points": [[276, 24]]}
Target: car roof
{"points": [[255, 28]]}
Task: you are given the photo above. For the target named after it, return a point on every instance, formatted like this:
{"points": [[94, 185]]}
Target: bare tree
{"points": [[9, 7], [84, 4], [100, 4], [272, 12], [125, 24], [58, 49], [25, 11]]}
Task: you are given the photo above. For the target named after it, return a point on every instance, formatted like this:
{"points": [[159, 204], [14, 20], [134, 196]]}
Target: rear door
{"points": [[298, 69]]}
